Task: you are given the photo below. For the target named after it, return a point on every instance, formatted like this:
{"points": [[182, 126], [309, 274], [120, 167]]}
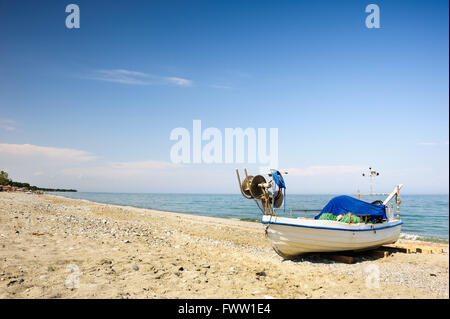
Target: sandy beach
{"points": [[54, 247]]}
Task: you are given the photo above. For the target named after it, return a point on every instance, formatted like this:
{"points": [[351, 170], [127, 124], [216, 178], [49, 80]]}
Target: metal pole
{"points": [[240, 185], [398, 204], [273, 199]]}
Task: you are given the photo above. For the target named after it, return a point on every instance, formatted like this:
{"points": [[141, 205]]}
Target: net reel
{"points": [[279, 199], [257, 188], [253, 187], [245, 187]]}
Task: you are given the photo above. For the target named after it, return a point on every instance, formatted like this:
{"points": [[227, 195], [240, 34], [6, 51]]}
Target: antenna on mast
{"points": [[372, 173]]}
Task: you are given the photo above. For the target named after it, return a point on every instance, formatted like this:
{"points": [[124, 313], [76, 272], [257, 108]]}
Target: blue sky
{"points": [[95, 106]]}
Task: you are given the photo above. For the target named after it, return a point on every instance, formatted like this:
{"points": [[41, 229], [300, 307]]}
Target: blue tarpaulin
{"points": [[346, 204]]}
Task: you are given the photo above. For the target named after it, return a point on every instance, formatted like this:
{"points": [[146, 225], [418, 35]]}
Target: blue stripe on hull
{"points": [[331, 228]]}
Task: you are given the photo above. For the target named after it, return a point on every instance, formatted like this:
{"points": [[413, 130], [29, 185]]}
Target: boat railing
{"points": [[394, 194], [311, 213], [306, 213], [390, 212]]}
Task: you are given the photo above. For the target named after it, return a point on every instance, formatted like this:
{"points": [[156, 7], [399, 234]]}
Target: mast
{"points": [[372, 174]]}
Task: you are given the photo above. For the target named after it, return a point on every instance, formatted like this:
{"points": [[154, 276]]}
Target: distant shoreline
{"points": [[13, 188]]}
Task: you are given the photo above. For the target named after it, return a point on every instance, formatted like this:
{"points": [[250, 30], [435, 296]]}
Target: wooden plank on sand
{"points": [[403, 249], [413, 248], [341, 258], [379, 253]]}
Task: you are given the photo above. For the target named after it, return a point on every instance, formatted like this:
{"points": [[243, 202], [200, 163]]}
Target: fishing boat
{"points": [[344, 224]]}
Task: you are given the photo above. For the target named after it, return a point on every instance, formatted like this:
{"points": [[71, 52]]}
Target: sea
{"points": [[425, 217]]}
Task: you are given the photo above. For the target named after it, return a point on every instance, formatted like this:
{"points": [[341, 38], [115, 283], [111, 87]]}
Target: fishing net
{"points": [[327, 216], [348, 218], [345, 219]]}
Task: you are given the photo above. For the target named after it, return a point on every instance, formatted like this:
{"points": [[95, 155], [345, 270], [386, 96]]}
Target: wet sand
{"points": [[54, 247]]}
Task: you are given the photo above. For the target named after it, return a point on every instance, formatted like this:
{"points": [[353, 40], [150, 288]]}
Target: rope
{"points": [[279, 181]]}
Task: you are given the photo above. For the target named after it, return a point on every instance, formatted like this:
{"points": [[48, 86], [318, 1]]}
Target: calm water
{"points": [[424, 216]]}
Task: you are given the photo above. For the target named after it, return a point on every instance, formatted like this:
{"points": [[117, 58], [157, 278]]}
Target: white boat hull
{"points": [[295, 236]]}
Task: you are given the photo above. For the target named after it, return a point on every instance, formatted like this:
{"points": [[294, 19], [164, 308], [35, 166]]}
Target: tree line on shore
{"points": [[6, 181]]}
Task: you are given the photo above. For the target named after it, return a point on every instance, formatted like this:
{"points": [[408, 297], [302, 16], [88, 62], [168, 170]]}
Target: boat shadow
{"points": [[345, 257]]}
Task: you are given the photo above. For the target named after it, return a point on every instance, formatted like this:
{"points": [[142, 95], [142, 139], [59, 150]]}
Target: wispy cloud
{"points": [[121, 76], [29, 150], [121, 170], [325, 170], [143, 165], [179, 81], [136, 78], [7, 124], [66, 167]]}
